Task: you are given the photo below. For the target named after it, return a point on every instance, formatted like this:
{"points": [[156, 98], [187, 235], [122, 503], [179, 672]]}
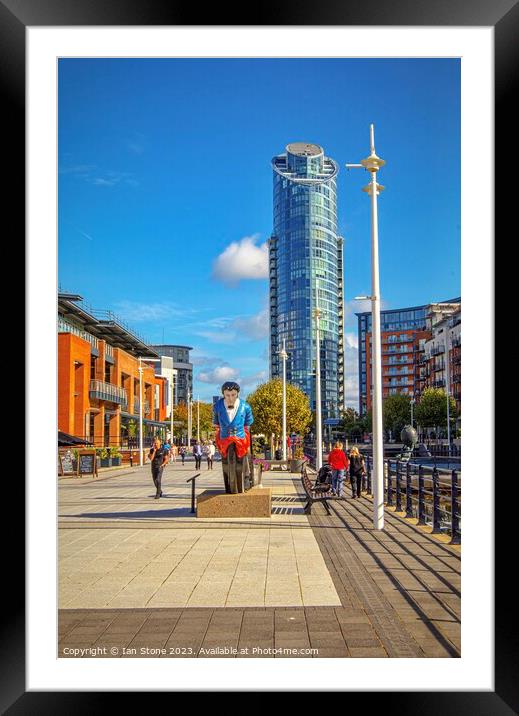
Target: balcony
{"points": [[107, 391], [436, 350], [438, 366]]}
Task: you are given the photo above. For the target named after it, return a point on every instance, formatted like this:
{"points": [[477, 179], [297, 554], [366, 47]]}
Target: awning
{"points": [[66, 439]]}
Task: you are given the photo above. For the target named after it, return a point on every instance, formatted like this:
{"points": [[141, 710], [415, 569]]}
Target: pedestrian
{"points": [[197, 452], [159, 457], [357, 471], [167, 446], [338, 461], [174, 452], [210, 451], [182, 453]]}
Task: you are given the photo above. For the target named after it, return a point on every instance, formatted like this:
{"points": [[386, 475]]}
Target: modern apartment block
{"points": [[99, 378], [405, 334], [441, 359], [163, 368], [183, 368], [305, 273]]}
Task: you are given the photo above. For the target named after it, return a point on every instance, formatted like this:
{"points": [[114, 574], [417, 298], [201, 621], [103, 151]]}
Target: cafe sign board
{"points": [[87, 463]]}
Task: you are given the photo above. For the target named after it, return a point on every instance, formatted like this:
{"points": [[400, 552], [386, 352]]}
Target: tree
{"points": [[396, 412], [349, 420], [180, 417], [206, 418], [431, 411], [267, 408]]}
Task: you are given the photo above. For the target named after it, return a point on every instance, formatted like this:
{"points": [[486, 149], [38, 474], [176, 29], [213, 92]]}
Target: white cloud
{"points": [[351, 340], [200, 360], [353, 307], [228, 330], [219, 375], [242, 260], [255, 327], [134, 311], [255, 379]]}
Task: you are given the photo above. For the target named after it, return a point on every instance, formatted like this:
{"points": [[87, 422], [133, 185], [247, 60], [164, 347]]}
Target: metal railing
{"points": [[107, 391], [430, 494], [65, 327]]}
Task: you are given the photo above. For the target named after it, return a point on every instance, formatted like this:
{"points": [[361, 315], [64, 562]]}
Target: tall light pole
{"points": [[198, 418], [318, 418], [372, 164], [447, 386], [141, 408], [284, 357], [189, 418], [172, 408]]}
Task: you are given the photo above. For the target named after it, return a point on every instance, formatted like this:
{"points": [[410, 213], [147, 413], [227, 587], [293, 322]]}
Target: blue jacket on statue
{"points": [[242, 419]]}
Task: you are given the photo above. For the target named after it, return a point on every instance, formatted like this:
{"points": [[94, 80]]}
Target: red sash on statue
{"points": [[242, 444]]}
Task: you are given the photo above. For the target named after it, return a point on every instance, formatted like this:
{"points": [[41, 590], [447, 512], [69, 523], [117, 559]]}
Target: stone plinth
{"points": [[256, 502]]}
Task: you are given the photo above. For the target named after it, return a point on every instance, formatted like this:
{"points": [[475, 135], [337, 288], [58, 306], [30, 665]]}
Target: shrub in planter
{"points": [[115, 456], [104, 459]]}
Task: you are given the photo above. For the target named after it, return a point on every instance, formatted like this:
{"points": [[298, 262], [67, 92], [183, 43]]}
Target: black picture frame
{"points": [[15, 17]]}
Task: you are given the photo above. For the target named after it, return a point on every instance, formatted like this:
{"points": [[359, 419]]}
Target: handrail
{"points": [[439, 506], [192, 480]]}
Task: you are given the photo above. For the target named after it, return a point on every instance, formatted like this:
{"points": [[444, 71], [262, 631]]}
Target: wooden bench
{"points": [[314, 495]]}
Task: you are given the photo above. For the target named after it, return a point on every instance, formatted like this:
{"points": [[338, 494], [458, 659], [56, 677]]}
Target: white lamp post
{"points": [[141, 408], [447, 386], [198, 418], [284, 357], [372, 164], [318, 419], [189, 419]]}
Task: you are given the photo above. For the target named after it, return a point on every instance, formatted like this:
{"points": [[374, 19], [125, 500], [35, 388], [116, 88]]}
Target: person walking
{"points": [[182, 453], [210, 451], [174, 452], [159, 457], [357, 470], [338, 461], [197, 452]]}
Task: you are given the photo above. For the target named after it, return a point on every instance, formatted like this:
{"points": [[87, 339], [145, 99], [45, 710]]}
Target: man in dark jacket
{"points": [[159, 457]]}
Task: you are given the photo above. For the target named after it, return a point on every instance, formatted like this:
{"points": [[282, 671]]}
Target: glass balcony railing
{"points": [[107, 391], [66, 327]]}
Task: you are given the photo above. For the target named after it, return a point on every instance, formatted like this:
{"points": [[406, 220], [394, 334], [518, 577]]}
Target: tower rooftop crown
{"points": [[303, 149]]}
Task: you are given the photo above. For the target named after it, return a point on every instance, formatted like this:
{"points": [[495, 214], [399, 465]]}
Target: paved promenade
{"points": [[145, 577]]}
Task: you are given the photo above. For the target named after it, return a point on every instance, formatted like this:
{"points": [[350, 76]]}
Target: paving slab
{"points": [[135, 572]]}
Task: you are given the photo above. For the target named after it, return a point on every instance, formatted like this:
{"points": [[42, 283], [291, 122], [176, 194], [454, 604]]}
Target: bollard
{"points": [[369, 476], [436, 502], [455, 515], [408, 493], [389, 485], [398, 487], [421, 496]]}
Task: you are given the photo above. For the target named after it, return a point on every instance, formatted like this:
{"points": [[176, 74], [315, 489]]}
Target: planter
{"points": [[296, 465], [105, 462], [116, 461]]}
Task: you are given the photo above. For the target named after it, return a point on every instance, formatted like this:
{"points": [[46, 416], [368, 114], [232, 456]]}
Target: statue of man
{"points": [[232, 418]]}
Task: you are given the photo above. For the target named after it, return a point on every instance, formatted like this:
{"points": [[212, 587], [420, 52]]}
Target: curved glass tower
{"points": [[306, 271]]}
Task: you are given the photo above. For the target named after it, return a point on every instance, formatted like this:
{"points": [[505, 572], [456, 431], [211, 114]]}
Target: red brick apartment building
{"points": [[99, 378], [414, 357]]}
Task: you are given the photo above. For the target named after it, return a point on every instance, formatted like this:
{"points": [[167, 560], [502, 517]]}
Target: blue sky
{"points": [[165, 191]]}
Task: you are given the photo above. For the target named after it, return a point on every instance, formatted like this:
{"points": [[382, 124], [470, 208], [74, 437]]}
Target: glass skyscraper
{"points": [[306, 272]]}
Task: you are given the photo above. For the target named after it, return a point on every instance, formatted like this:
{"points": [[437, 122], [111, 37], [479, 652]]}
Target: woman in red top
{"points": [[339, 462]]}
